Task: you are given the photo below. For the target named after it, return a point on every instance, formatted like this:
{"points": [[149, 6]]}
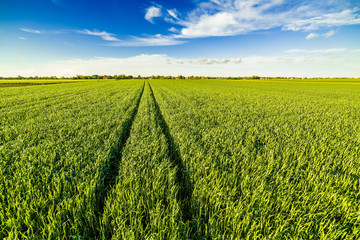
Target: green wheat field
{"points": [[180, 159]]}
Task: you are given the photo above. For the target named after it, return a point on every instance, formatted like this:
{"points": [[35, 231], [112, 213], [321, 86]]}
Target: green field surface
{"points": [[180, 159]]}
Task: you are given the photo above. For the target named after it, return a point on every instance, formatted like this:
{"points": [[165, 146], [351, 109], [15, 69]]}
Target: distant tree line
{"points": [[122, 76]]}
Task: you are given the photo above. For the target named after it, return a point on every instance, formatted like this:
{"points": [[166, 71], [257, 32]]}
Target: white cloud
{"points": [[104, 35], [237, 61], [332, 50], [233, 17], [345, 17], [155, 40], [312, 35], [223, 61], [155, 64], [203, 61], [220, 24], [174, 30], [22, 38], [29, 30], [173, 13], [132, 41], [152, 12], [316, 35], [306, 63], [329, 34]]}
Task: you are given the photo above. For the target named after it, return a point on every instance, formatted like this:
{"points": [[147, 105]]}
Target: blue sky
{"points": [[307, 38]]}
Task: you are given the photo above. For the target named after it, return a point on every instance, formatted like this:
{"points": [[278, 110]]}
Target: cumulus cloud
{"points": [[104, 35], [341, 63], [312, 35], [223, 61], [237, 61], [152, 12], [220, 24], [203, 61], [151, 64]]}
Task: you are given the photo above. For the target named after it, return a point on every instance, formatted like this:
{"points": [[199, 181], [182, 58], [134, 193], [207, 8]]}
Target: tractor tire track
{"points": [[185, 193], [110, 169]]}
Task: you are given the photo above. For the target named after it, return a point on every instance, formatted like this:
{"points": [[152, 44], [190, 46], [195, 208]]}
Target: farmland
{"points": [[180, 159]]}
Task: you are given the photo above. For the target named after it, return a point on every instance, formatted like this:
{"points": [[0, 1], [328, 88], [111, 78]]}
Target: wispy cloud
{"points": [[233, 17], [22, 38], [174, 30], [320, 51], [58, 2], [173, 13], [29, 30], [312, 35], [316, 35], [152, 12], [103, 34], [37, 31], [329, 34], [153, 40], [331, 50], [345, 17]]}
